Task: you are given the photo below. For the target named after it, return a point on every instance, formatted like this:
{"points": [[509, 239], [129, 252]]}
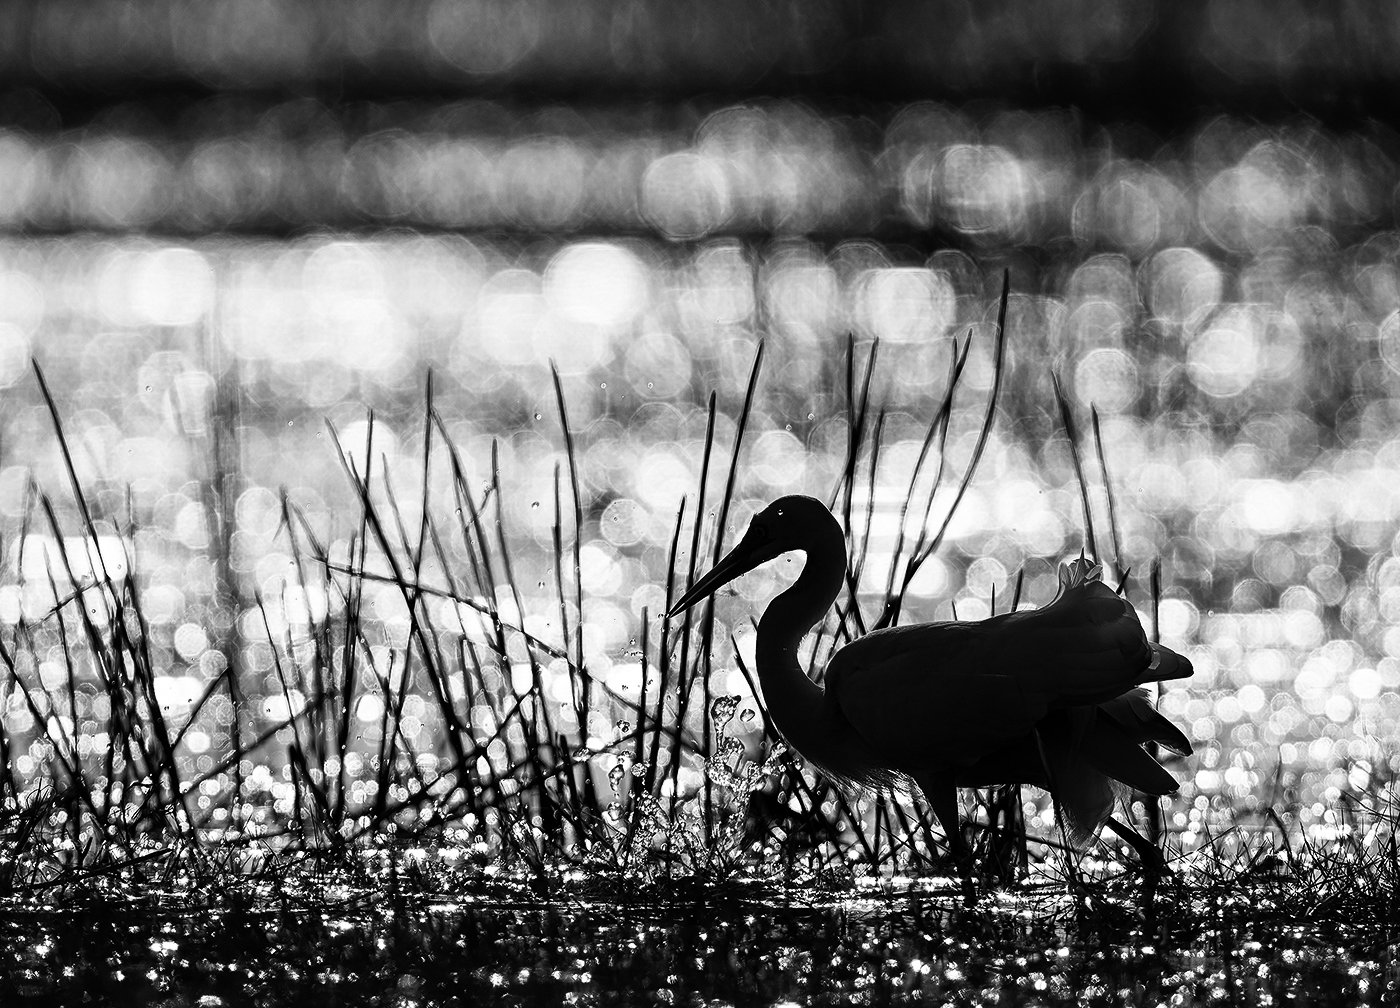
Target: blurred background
{"points": [[224, 223]]}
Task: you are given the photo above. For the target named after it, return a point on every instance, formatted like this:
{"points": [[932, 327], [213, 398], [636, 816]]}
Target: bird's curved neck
{"points": [[794, 701]]}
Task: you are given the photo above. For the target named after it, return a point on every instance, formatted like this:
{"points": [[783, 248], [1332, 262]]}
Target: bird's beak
{"points": [[737, 562]]}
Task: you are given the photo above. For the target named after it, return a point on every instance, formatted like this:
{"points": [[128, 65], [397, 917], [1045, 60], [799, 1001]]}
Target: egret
{"points": [[1050, 697]]}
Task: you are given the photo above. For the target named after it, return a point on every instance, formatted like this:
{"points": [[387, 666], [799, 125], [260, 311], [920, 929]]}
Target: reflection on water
{"points": [[279, 947], [196, 380]]}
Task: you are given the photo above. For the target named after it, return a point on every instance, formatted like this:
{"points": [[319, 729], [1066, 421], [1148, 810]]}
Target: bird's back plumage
{"points": [[1047, 696]]}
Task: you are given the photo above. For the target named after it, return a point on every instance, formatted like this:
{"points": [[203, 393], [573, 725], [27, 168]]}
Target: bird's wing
{"points": [[950, 693], [918, 696]]}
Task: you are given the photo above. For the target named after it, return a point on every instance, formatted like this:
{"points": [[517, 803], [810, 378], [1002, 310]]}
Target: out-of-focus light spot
{"points": [[1365, 684], [558, 686], [1107, 378], [144, 458], [905, 305], [511, 304], [1251, 698], [573, 349], [1328, 582], [114, 286], [369, 709], [1303, 629], [20, 167], [1276, 563], [658, 365], [191, 526], [542, 183], [651, 597], [661, 479], [1097, 323], [281, 706], [258, 510], [1359, 777], [1269, 507], [1268, 665], [984, 189], [1178, 617], [805, 299], [600, 570], [171, 287], [1299, 598], [605, 628], [1338, 708], [21, 300], [931, 580], [723, 284], [624, 522], [118, 181], [163, 604], [972, 607], [87, 559], [1390, 341], [625, 679], [177, 694], [302, 607], [596, 283], [778, 459], [1130, 206], [14, 354], [984, 576], [686, 195], [1181, 284], [1245, 209], [347, 309], [485, 36], [969, 518], [190, 641], [387, 605], [1224, 360]]}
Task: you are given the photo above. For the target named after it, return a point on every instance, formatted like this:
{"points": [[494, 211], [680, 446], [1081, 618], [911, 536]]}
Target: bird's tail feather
{"points": [[1112, 751], [1167, 664], [1141, 722], [1084, 795], [1094, 753]]}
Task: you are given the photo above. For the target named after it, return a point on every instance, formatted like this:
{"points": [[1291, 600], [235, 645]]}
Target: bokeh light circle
{"points": [[1225, 359], [597, 283], [1107, 378]]}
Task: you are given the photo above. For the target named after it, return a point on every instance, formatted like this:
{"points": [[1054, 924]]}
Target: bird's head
{"points": [[789, 523]]}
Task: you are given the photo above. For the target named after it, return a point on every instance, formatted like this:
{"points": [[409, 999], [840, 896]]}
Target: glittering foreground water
{"points": [[276, 947]]}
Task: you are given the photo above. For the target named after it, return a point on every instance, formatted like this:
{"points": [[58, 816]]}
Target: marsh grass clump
{"points": [[413, 733]]}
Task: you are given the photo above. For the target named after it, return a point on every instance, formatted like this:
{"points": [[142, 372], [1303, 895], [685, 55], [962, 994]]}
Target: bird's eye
{"points": [[759, 532]]}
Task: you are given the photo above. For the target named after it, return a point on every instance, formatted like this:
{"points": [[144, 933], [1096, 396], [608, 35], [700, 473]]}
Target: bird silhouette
{"points": [[1049, 697]]}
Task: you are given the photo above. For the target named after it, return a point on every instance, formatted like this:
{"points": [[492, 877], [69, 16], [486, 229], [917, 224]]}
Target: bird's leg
{"points": [[1147, 851], [941, 792], [1154, 865]]}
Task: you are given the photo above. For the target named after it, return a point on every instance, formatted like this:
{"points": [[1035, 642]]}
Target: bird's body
{"points": [[1048, 697]]}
